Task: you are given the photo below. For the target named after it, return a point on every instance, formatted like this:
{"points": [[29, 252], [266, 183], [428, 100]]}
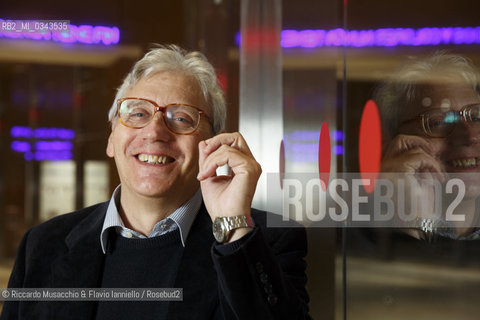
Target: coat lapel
{"points": [[81, 265], [196, 273]]}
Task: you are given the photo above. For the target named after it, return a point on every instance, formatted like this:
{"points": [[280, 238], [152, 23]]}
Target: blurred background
{"points": [[285, 71]]}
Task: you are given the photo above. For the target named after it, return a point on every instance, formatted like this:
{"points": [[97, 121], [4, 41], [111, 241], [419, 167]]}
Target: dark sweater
{"points": [[139, 263]]}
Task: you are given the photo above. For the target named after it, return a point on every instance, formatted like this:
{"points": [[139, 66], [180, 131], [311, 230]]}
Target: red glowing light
{"points": [[222, 80], [324, 155], [370, 144]]}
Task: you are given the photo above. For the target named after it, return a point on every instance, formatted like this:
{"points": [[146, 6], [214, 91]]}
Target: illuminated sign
{"points": [[76, 34], [58, 147], [384, 37]]}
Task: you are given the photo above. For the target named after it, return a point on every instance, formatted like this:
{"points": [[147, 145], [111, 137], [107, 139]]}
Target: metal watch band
{"points": [[222, 226], [235, 222]]}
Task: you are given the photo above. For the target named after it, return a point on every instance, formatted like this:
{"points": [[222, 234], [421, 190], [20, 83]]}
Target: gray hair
{"points": [[174, 58], [403, 87]]}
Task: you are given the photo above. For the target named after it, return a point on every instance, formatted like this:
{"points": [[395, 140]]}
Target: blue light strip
{"points": [[384, 37], [86, 34]]}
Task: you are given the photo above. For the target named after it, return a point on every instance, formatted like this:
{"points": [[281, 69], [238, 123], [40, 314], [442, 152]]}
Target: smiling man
{"points": [[431, 113], [156, 231]]}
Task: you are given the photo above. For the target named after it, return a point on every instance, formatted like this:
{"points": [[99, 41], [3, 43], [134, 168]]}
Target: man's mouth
{"points": [[153, 159], [464, 163]]}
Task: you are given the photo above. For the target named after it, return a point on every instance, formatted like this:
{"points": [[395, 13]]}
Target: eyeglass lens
{"points": [[441, 124], [179, 118]]}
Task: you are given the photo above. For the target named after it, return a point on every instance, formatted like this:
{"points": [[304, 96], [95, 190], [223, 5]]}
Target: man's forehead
{"points": [[173, 78], [438, 94], [162, 86], [432, 95]]}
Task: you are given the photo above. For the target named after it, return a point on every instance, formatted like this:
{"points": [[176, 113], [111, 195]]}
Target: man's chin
{"points": [[153, 190]]}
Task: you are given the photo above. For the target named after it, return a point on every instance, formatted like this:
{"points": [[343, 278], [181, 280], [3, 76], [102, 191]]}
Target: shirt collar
{"points": [[182, 219]]}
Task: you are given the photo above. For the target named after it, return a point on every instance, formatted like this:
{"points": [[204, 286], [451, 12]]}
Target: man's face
{"points": [[176, 178], [460, 151]]}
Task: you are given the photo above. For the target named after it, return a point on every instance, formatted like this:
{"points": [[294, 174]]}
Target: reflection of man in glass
{"points": [[431, 112]]}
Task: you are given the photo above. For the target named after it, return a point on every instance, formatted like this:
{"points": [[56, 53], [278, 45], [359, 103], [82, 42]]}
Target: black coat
{"points": [[65, 252]]}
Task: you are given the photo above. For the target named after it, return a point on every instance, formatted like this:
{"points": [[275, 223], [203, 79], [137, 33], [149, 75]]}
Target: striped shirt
{"points": [[181, 219]]}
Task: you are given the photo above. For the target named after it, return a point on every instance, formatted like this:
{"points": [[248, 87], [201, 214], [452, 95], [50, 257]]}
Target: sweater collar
{"points": [[182, 218]]}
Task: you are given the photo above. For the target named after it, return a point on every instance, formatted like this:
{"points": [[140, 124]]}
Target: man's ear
{"points": [[110, 149]]}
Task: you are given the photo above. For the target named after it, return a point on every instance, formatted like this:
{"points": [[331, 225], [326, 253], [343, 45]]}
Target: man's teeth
{"points": [[465, 163], [152, 159]]}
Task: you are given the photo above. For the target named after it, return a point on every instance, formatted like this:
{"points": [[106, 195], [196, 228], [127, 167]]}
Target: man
{"points": [[156, 231], [431, 112]]}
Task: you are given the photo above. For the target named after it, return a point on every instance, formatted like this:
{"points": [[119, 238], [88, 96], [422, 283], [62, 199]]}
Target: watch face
{"points": [[218, 231]]}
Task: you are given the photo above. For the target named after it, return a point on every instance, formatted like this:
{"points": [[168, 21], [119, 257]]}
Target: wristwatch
{"points": [[223, 226]]}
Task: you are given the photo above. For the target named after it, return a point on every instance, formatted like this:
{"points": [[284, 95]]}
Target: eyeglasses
{"points": [[179, 118], [440, 124]]}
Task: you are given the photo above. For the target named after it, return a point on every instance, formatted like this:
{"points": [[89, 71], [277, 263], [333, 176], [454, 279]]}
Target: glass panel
{"points": [[312, 106], [420, 269], [260, 110]]}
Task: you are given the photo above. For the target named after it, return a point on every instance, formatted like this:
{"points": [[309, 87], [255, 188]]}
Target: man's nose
{"points": [[157, 127]]}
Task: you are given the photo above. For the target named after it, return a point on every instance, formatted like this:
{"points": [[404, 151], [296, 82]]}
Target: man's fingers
{"points": [[236, 159], [234, 140], [415, 161], [403, 143], [226, 148]]}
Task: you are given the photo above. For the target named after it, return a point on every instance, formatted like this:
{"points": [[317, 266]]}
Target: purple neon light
{"points": [[45, 150], [20, 146], [53, 145], [384, 37], [42, 133], [301, 146], [21, 132], [77, 34], [54, 133], [304, 148], [48, 156], [53, 149], [338, 135], [338, 149], [305, 135], [52, 155]]}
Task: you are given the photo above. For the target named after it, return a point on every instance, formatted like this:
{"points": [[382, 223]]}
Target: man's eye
{"points": [[182, 119], [138, 113], [436, 124]]}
